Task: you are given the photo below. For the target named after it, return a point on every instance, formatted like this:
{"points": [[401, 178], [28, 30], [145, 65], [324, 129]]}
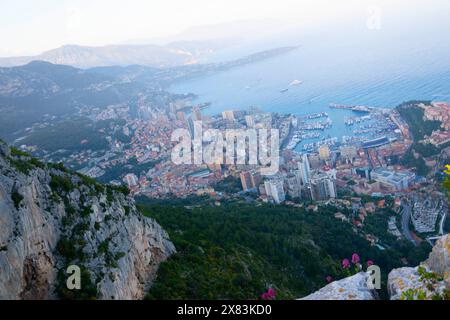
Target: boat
{"points": [[295, 83], [284, 90]]}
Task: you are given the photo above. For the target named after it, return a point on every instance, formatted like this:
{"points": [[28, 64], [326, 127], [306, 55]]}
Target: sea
{"points": [[381, 70]]}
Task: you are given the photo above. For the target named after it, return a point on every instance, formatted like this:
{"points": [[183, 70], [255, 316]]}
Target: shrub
{"points": [[16, 198], [61, 184], [67, 249]]}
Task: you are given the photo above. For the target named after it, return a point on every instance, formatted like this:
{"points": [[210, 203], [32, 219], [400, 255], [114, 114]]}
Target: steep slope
{"points": [[238, 250], [50, 219]]}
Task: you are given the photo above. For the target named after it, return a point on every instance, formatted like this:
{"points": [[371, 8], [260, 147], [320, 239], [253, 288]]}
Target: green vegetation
{"points": [[230, 185], [68, 135], [18, 153], [377, 225], [88, 181], [61, 183], [67, 249], [413, 115], [132, 166], [16, 198], [21, 165], [418, 163], [237, 251], [88, 289], [430, 280], [447, 180]]}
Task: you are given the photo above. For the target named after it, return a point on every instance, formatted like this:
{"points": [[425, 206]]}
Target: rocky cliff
{"points": [[430, 280], [51, 218]]}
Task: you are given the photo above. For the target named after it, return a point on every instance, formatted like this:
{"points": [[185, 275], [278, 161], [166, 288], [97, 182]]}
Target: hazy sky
{"points": [[30, 26]]}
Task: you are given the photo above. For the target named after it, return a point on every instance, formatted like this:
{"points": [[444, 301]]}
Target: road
{"points": [[406, 216]]}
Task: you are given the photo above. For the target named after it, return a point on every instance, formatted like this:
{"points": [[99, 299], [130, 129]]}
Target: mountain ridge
{"points": [[174, 54]]}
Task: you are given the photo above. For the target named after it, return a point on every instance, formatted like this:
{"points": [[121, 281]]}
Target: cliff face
{"points": [[50, 219], [430, 280]]}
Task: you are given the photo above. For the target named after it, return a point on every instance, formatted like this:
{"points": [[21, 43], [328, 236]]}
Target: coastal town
{"points": [[314, 169]]}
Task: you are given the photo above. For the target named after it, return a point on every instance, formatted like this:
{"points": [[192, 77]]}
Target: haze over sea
{"points": [[343, 65]]}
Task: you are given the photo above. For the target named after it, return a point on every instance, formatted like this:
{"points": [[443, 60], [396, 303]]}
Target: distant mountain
{"points": [[174, 54], [29, 92], [41, 90], [39, 77]]}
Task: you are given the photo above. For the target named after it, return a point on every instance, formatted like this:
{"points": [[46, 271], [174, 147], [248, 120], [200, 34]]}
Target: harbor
{"points": [[374, 126]]}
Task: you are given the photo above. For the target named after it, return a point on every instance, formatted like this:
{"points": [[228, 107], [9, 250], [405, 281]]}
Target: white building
{"points": [[398, 180], [228, 115], [304, 168], [131, 180], [274, 189], [323, 187], [294, 186]]}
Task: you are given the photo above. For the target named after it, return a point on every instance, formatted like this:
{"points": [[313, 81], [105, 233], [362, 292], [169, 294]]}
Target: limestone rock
{"points": [[403, 282], [120, 248], [4, 149], [350, 288], [439, 259]]}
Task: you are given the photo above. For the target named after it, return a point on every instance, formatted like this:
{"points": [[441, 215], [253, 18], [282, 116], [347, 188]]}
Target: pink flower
{"points": [[355, 258], [271, 293], [265, 296], [329, 279], [345, 263], [370, 263]]}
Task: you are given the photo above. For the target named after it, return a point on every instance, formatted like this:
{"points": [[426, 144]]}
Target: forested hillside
{"points": [[238, 251]]}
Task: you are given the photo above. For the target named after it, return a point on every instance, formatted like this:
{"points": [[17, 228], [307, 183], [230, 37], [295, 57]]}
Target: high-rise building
{"points": [[191, 127], [324, 152], [250, 180], [172, 108], [246, 180], [304, 168], [255, 178], [249, 121], [181, 116], [293, 186], [274, 189], [314, 161], [323, 187], [228, 115], [197, 113]]}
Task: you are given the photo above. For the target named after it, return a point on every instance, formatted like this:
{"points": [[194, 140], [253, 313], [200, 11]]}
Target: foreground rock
{"points": [[350, 288], [50, 219], [439, 259], [428, 281]]}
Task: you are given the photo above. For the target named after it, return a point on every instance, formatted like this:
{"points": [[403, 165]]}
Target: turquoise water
{"points": [[378, 72]]}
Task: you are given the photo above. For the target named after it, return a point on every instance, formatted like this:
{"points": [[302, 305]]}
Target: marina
{"points": [[314, 145], [351, 108]]}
